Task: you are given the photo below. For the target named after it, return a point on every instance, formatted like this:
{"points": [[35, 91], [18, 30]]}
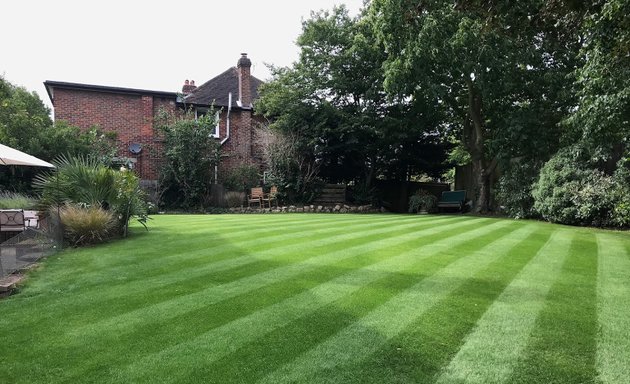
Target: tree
{"points": [[601, 119], [588, 181], [334, 101], [25, 124], [291, 167], [190, 152], [496, 70], [23, 118]]}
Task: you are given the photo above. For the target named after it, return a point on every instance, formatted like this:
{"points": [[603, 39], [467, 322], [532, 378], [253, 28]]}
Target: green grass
{"points": [[13, 200], [310, 298]]}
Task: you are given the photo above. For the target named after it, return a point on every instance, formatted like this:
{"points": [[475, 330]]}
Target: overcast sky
{"points": [[152, 45]]}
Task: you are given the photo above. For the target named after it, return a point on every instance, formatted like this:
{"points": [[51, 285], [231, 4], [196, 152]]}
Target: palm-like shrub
{"points": [[87, 182]]}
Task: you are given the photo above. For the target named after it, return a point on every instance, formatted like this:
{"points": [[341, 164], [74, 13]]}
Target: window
{"points": [[199, 112]]}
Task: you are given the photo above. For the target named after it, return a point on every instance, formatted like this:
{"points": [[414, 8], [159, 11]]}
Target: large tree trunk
{"points": [[483, 170], [475, 143]]}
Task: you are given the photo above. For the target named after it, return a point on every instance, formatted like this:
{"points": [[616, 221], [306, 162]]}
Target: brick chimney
{"points": [[188, 87], [244, 85]]}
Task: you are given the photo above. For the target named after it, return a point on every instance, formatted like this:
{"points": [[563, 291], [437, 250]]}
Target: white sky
{"points": [[152, 45]]}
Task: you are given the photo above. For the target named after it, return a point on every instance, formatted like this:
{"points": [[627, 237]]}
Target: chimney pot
{"points": [[189, 86], [244, 61]]}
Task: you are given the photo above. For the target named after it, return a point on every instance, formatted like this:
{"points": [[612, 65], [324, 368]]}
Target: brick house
{"points": [[131, 114]]}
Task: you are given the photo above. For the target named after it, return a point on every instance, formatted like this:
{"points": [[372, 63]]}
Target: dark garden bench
{"points": [[452, 199]]}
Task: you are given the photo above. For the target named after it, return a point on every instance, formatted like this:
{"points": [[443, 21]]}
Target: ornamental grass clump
{"points": [[234, 199], [86, 225], [13, 200]]}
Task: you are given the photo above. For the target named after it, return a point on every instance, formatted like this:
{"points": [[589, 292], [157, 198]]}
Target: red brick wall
{"points": [[239, 149], [130, 116]]}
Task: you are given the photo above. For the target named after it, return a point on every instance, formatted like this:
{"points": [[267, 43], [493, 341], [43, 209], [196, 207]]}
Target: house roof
{"points": [[50, 85], [215, 91]]}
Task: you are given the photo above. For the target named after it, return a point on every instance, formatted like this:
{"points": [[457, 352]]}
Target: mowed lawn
{"points": [[309, 298]]}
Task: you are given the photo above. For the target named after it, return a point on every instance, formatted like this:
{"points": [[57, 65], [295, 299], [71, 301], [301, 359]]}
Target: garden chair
{"points": [[31, 219], [271, 196], [11, 222], [255, 196]]}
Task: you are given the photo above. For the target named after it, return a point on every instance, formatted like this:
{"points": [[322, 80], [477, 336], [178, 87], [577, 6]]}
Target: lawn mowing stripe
{"points": [[418, 353], [109, 296], [31, 354], [563, 342], [221, 341], [613, 296], [180, 305], [364, 337], [501, 335], [218, 249], [246, 224], [198, 246], [161, 336], [261, 357], [188, 241]]}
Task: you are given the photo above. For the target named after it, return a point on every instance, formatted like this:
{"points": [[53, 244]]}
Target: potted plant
{"points": [[422, 202]]}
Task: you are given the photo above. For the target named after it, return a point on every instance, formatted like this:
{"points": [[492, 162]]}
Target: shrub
{"points": [[621, 178], [130, 200], [422, 200], [571, 190], [363, 193], [13, 200], [514, 190], [234, 199], [621, 214], [242, 178], [190, 154], [293, 168], [86, 225], [87, 182]]}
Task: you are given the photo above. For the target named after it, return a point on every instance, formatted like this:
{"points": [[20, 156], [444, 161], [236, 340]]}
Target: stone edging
{"points": [[337, 208]]}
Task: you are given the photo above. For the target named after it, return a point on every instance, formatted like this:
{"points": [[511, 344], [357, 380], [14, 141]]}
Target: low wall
{"points": [[338, 208]]}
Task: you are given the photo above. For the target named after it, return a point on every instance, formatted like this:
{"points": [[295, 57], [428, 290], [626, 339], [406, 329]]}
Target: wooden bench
{"points": [[452, 199], [331, 194]]}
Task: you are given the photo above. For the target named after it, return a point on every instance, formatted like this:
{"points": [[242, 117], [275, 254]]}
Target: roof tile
{"points": [[216, 90]]}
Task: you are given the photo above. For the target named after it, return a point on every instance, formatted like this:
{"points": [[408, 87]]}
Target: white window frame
{"points": [[216, 128]]}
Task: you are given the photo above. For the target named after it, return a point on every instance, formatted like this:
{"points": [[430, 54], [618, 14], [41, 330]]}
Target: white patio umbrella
{"points": [[10, 156]]}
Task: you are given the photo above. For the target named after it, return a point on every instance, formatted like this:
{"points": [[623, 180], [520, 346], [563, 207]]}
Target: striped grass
{"points": [[327, 298]]}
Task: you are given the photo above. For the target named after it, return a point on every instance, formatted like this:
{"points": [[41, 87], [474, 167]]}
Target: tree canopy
{"points": [[602, 115], [25, 124], [508, 83], [334, 100], [498, 71]]}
